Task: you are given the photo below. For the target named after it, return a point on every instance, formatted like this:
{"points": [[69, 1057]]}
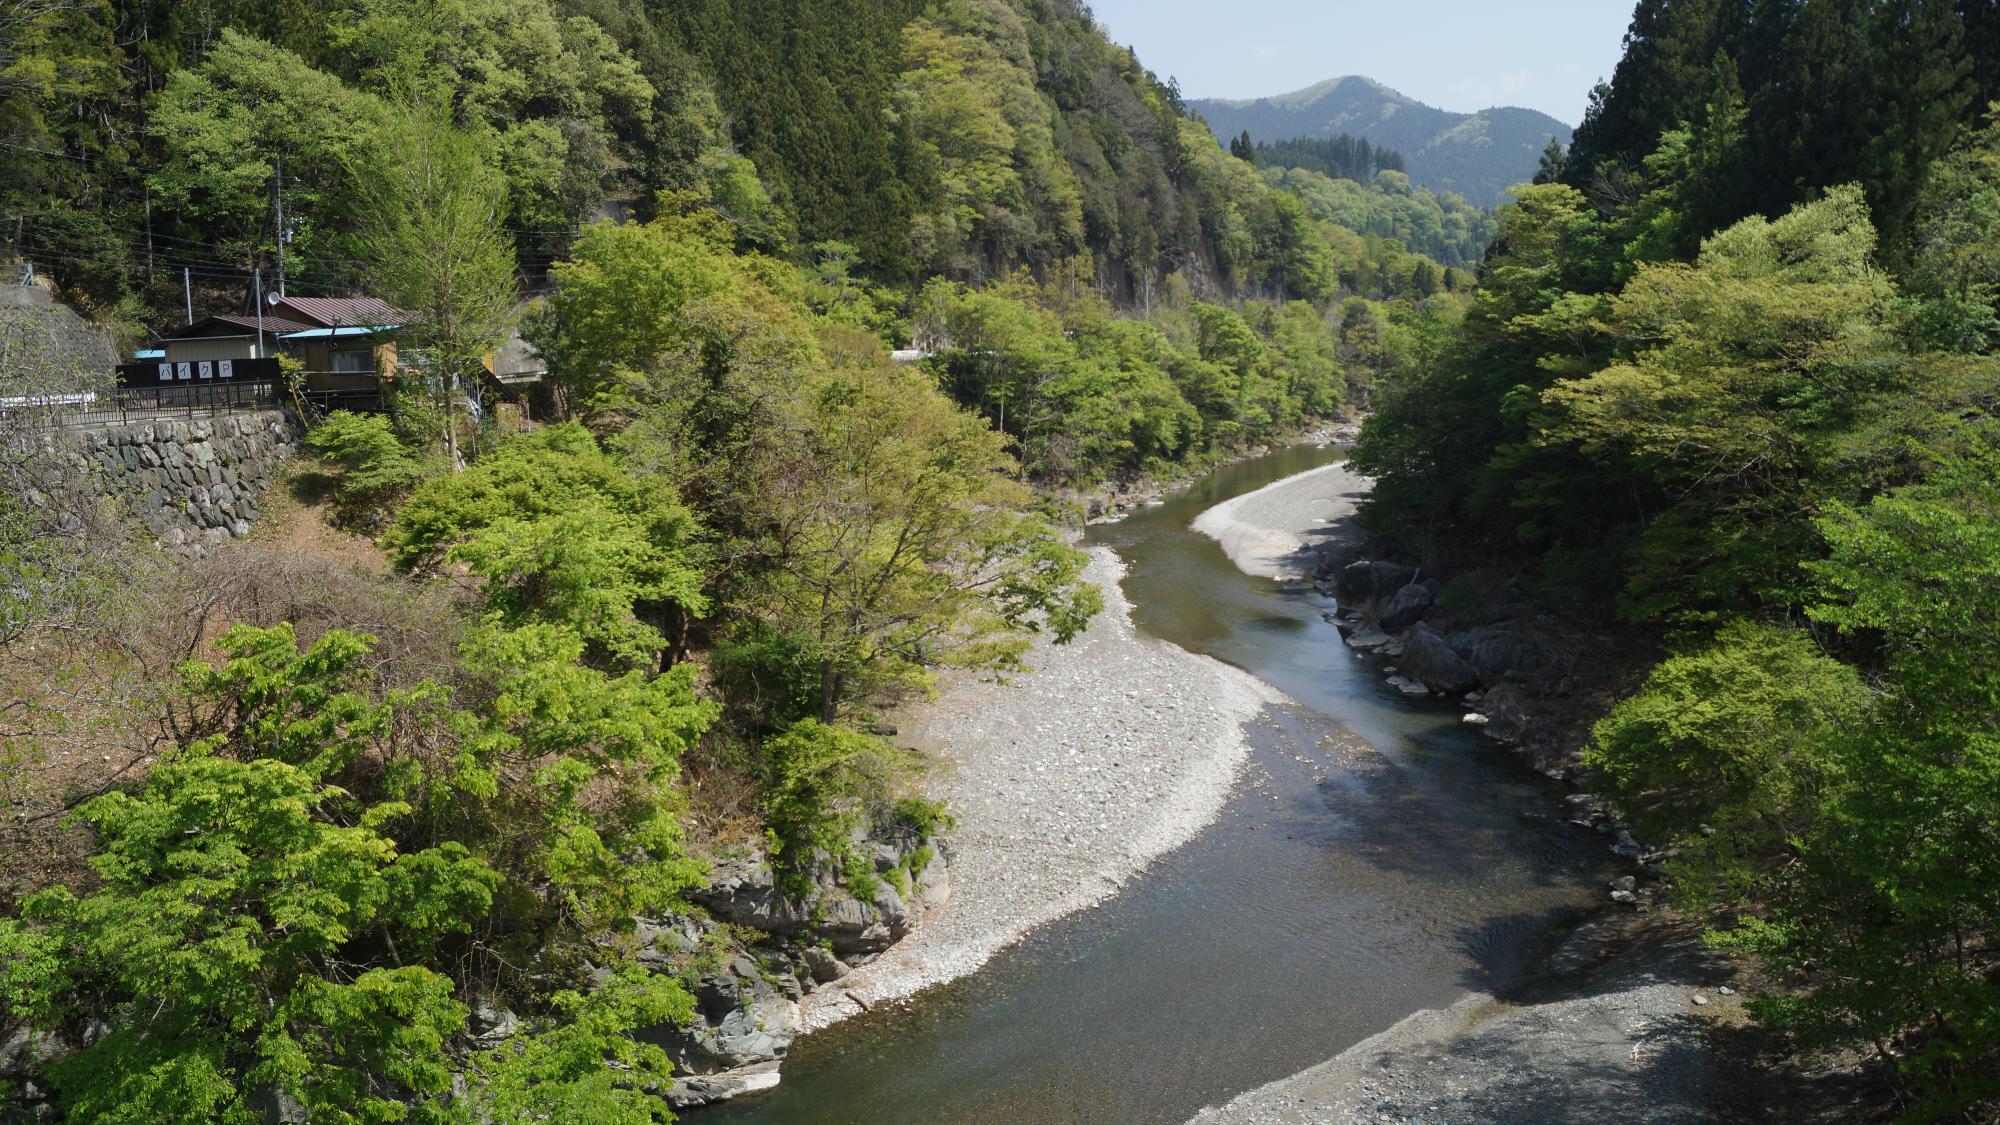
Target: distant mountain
{"points": [[1478, 155]]}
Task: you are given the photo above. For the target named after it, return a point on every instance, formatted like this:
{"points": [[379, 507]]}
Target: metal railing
{"points": [[126, 405]]}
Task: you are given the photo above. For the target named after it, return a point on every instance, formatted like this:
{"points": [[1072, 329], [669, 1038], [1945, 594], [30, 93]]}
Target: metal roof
{"points": [[343, 332], [272, 326], [321, 312]]}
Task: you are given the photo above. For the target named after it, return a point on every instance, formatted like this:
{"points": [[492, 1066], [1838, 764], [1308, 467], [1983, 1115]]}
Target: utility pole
{"points": [[187, 291], [257, 280], [278, 194]]}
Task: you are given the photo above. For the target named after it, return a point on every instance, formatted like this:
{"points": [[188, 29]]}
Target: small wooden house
{"points": [[346, 344]]}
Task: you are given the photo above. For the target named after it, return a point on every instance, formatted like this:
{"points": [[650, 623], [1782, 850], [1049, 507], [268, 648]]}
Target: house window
{"points": [[354, 363]]}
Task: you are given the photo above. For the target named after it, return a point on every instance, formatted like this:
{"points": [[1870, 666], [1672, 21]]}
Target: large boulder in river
{"points": [[1513, 652], [744, 891], [1363, 585], [1408, 606], [1427, 657]]}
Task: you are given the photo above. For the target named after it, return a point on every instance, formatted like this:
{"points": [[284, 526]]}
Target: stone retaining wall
{"points": [[195, 482]]}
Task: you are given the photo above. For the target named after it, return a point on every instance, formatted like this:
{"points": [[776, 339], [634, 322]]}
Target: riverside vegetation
{"points": [[287, 834], [1727, 381], [392, 832]]}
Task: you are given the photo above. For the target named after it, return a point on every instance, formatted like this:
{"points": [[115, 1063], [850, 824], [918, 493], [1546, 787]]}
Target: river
{"points": [[1376, 859]]}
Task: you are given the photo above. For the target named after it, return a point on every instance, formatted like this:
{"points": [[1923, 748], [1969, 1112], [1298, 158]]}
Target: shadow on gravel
{"points": [[1655, 1076]]}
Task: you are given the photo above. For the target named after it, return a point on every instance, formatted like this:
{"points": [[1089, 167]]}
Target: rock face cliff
{"points": [[751, 953]]}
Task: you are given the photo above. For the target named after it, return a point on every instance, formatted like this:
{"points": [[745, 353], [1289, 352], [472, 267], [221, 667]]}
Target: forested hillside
{"points": [[1475, 155], [966, 138], [1729, 381]]}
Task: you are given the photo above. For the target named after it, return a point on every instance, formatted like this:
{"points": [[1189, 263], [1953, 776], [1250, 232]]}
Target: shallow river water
{"points": [[1377, 859]]}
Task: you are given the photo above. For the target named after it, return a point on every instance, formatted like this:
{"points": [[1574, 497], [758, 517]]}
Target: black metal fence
{"points": [[144, 403]]}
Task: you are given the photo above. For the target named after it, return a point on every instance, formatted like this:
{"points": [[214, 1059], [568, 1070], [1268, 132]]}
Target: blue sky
{"points": [[1459, 55]]}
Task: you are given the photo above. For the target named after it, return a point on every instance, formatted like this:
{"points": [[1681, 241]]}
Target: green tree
{"points": [[1955, 254], [560, 533], [1731, 750], [899, 543], [435, 239], [1753, 358], [1550, 169], [225, 125], [235, 942]]}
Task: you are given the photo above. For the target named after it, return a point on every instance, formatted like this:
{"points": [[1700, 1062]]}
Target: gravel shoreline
{"points": [[1622, 1038], [1066, 782], [1274, 531]]}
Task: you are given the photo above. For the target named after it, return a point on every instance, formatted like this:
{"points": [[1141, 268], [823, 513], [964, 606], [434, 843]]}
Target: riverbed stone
{"points": [[1408, 606], [1427, 657], [825, 967]]}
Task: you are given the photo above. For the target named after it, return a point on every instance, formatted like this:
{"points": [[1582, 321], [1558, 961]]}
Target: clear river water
{"points": [[1376, 859]]}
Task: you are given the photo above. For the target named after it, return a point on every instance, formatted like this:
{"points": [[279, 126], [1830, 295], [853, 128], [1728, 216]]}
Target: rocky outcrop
{"points": [[23, 1050], [1408, 606], [1365, 587], [1429, 659], [747, 995], [745, 893]]}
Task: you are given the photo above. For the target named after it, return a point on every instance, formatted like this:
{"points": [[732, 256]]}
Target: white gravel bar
{"points": [[1066, 781], [1265, 532]]}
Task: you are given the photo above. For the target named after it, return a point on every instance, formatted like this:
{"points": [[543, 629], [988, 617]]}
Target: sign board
{"points": [[233, 370]]}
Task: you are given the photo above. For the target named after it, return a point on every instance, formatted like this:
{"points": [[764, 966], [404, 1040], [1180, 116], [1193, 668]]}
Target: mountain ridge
{"points": [[1477, 155]]}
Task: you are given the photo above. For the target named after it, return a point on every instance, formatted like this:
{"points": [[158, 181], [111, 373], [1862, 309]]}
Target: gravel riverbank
{"points": [[1275, 531], [1066, 781], [1620, 1034]]}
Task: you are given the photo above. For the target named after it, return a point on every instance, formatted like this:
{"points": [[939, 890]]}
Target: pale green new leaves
{"points": [[229, 890], [586, 1067], [561, 533]]}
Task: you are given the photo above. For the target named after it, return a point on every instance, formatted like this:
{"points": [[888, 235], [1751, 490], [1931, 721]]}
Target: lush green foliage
{"points": [[231, 892], [1670, 412], [1751, 722], [300, 899], [1087, 394], [378, 467], [873, 520], [1834, 93], [562, 534], [1402, 228], [822, 785]]}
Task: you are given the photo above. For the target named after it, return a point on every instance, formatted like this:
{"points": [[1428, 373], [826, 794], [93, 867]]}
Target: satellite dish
{"points": [[272, 299]]}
